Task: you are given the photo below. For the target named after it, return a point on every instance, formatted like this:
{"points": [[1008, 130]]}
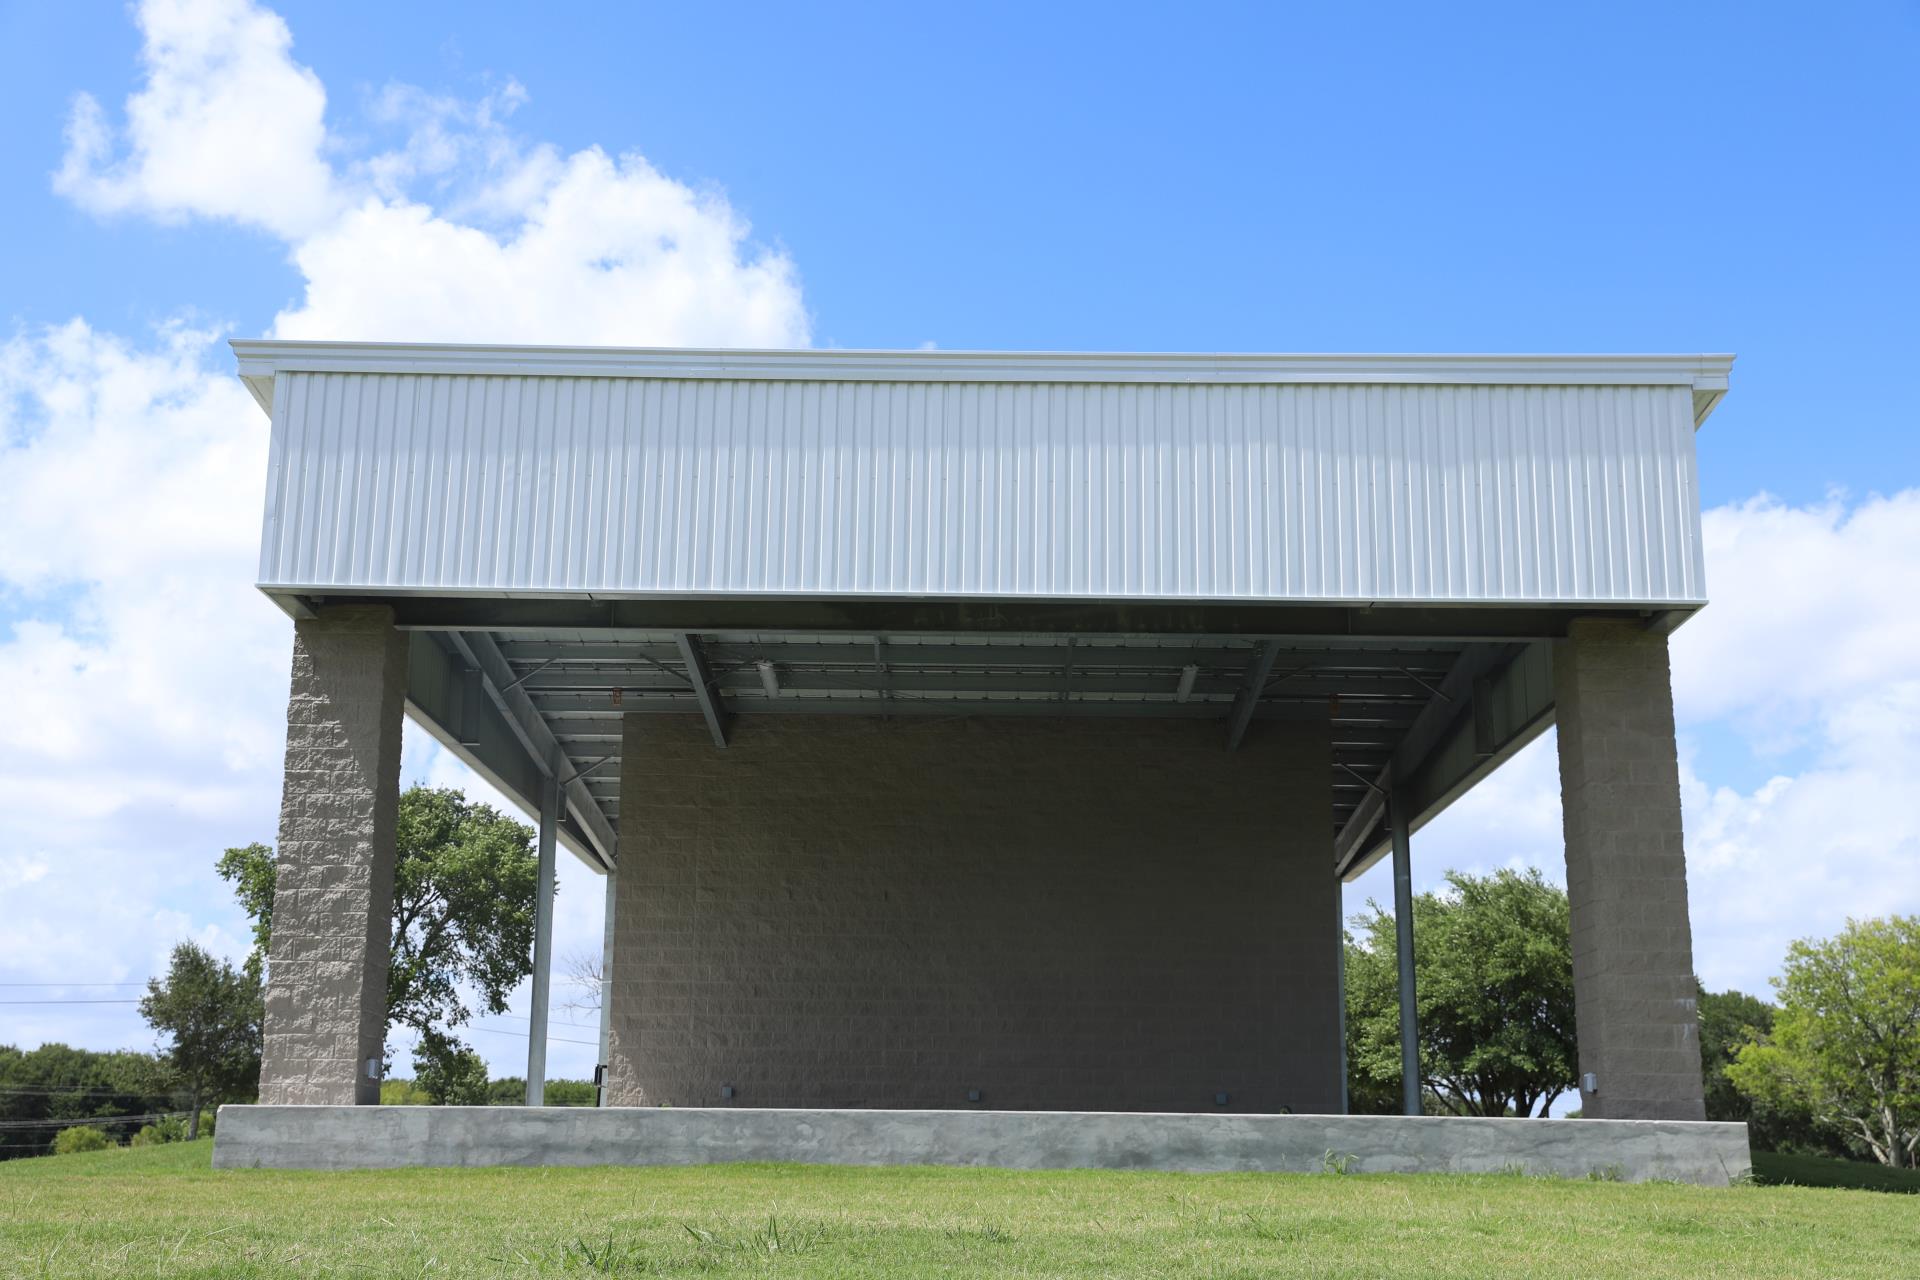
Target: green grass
{"points": [[1773, 1169], [161, 1211]]}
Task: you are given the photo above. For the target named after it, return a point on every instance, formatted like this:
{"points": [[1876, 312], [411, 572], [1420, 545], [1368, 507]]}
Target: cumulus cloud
{"points": [[1810, 604], [147, 677], [1808, 658], [226, 126], [141, 668], [606, 251], [460, 232]]}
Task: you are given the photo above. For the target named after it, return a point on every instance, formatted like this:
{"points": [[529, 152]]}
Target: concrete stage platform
{"points": [[296, 1137]]}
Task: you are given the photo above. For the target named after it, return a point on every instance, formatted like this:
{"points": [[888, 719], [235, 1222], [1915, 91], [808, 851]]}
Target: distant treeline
{"points": [[45, 1090], [511, 1091]]}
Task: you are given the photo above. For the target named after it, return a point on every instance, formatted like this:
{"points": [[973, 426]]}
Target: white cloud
{"points": [[146, 677], [1812, 643], [606, 251], [1809, 604], [462, 233], [226, 126]]}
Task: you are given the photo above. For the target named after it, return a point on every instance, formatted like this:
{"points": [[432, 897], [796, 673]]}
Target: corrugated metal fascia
{"points": [[1323, 492]]}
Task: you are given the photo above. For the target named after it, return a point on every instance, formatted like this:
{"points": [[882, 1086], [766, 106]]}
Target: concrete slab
{"points": [[372, 1137]]}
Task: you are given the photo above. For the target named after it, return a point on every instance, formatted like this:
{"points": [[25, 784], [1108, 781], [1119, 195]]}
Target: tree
{"points": [[210, 1012], [464, 887], [1728, 1020], [1493, 967], [584, 982], [449, 1073], [1846, 1041], [44, 1090], [252, 871]]}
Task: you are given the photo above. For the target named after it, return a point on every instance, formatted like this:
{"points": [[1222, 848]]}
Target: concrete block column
{"points": [[326, 998], [1634, 995]]}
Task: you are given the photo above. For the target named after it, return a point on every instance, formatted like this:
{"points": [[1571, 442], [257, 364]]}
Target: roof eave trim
{"points": [[261, 359]]}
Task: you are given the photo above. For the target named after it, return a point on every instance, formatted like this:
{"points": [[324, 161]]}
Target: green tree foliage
{"points": [[1728, 1020], [449, 1073], [252, 872], [1494, 975], [1846, 1041], [44, 1089], [464, 884], [208, 1014], [162, 1131], [395, 1092], [511, 1091], [81, 1137]]}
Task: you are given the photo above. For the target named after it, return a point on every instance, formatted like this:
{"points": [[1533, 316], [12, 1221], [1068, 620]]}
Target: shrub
{"points": [[403, 1093], [80, 1137], [165, 1129]]}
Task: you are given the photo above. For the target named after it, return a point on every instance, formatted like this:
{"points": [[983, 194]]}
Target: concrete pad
{"points": [[373, 1137]]}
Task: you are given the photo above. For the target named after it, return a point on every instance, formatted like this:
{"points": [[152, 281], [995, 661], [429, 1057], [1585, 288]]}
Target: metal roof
{"points": [[1385, 543], [1407, 479]]}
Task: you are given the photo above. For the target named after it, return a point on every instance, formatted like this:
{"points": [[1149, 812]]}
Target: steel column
{"points": [[605, 1064], [1399, 819], [1340, 987], [542, 946]]}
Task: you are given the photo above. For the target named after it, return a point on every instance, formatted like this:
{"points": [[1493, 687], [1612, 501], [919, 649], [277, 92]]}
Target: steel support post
{"points": [[1398, 818], [606, 990], [542, 947], [1340, 983]]}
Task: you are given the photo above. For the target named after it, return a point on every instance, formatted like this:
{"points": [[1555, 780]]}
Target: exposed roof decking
{"points": [[583, 685]]}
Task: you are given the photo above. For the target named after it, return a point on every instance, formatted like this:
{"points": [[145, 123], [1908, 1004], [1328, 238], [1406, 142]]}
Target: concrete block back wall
{"points": [[1056, 913]]}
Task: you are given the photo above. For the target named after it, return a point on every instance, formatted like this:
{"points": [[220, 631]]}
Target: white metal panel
{"points": [[1224, 490]]}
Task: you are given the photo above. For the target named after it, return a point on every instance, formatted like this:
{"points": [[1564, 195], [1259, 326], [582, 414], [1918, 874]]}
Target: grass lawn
{"points": [[162, 1211], [1774, 1169]]}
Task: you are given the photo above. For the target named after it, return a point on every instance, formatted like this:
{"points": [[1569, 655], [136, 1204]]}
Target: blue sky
{"points": [[1727, 177], [1528, 178]]}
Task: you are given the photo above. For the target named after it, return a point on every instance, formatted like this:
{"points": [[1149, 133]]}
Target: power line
{"points": [[141, 983], [69, 1002], [68, 1122], [521, 1035], [552, 1022], [98, 1091]]}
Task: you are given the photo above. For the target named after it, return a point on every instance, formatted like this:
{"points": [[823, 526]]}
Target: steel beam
{"points": [[524, 718], [1454, 695], [1249, 700], [1272, 709], [701, 677], [858, 654], [868, 616], [750, 682]]}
